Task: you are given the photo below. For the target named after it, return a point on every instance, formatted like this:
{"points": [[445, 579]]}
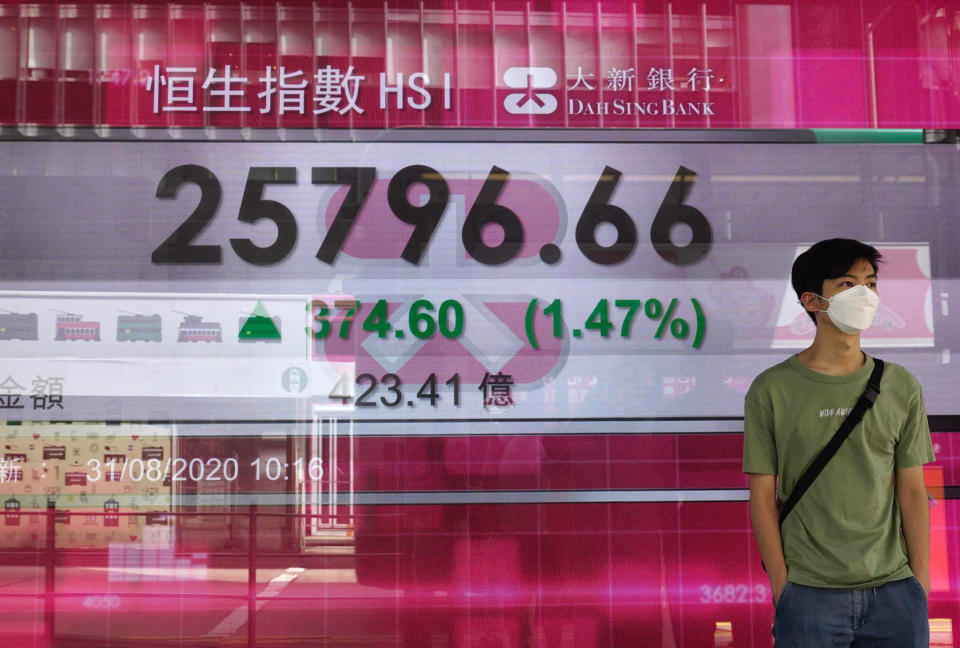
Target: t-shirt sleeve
{"points": [[759, 444], [914, 447]]}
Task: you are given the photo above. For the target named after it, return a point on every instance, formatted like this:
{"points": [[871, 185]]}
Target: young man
{"points": [[850, 564]]}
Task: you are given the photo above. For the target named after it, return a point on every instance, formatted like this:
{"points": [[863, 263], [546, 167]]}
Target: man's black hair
{"points": [[828, 260]]}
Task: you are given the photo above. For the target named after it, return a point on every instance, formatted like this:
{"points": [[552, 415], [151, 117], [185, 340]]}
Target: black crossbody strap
{"points": [[810, 474]]}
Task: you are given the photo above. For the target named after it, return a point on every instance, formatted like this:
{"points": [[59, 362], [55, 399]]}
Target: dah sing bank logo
{"points": [[530, 101], [619, 84]]}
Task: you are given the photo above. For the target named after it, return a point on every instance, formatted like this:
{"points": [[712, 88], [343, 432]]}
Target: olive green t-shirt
{"points": [[845, 530]]}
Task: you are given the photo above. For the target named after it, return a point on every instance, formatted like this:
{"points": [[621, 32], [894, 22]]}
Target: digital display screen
{"points": [[436, 392]]}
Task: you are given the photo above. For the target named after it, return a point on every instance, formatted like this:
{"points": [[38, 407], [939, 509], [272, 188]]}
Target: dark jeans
{"points": [[891, 615]]}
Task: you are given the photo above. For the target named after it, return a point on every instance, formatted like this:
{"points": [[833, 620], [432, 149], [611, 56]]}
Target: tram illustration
{"points": [[72, 326], [18, 326], [136, 328], [194, 329]]}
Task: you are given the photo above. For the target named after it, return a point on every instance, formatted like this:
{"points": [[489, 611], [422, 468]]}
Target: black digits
{"points": [[360, 180], [485, 210], [253, 207], [598, 210], [177, 248], [673, 211], [425, 217]]}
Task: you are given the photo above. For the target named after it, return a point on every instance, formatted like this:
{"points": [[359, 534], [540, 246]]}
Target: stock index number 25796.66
{"points": [[485, 211]]}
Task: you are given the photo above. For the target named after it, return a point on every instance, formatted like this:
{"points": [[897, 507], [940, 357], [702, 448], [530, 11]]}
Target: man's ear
{"points": [[812, 302]]}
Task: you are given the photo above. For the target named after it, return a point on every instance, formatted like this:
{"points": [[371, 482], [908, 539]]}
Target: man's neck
{"points": [[833, 352]]}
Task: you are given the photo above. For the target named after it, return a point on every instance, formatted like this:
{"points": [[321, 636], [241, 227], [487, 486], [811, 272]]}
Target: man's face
{"points": [[860, 273]]}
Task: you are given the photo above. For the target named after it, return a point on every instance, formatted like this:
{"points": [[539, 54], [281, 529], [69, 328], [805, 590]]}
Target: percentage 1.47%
{"points": [[599, 319]]}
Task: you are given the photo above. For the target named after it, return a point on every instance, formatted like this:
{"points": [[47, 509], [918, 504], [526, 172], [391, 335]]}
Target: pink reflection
{"points": [[848, 65], [631, 572]]}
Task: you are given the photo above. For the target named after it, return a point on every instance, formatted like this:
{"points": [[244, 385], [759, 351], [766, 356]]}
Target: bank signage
{"points": [[336, 91]]}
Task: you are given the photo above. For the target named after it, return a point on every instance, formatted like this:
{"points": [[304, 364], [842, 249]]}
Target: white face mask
{"points": [[852, 310]]}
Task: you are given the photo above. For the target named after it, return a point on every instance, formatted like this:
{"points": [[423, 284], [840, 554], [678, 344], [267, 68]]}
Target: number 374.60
{"points": [[179, 246]]}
